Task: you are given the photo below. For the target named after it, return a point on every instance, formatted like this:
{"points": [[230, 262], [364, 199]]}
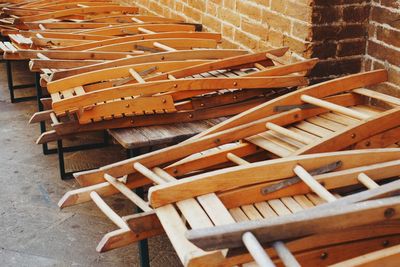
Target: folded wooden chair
{"points": [[272, 203], [89, 23], [85, 44], [56, 65], [271, 191], [207, 81], [309, 120], [72, 41], [80, 13], [159, 70], [270, 130], [18, 49], [23, 11], [203, 54]]}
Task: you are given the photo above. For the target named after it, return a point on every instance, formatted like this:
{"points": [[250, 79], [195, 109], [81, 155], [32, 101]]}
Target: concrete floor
{"points": [[33, 231]]}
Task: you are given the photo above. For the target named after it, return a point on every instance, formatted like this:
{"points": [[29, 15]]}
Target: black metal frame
{"points": [[10, 81], [12, 87], [143, 244], [61, 150]]}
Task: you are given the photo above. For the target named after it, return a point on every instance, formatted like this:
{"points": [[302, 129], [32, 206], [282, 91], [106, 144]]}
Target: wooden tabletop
{"points": [[131, 138]]}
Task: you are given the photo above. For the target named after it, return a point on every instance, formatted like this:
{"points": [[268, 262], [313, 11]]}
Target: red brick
{"points": [[389, 36], [351, 48], [324, 50], [384, 15], [388, 88], [356, 13], [338, 32], [390, 3], [367, 64], [326, 14], [336, 67], [393, 74], [384, 53]]}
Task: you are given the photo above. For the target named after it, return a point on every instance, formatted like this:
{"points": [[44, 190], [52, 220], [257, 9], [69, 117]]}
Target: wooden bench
{"points": [[9, 49], [136, 138]]}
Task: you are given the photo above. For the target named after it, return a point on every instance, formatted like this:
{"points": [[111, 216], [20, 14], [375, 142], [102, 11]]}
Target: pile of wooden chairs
{"points": [[277, 183], [273, 179], [106, 67]]}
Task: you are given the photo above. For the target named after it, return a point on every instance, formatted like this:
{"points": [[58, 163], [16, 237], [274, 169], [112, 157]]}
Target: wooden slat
{"points": [[143, 205], [314, 221], [115, 218], [251, 212], [175, 229], [282, 140], [339, 118], [313, 129], [267, 145], [278, 206], [368, 182], [288, 133], [303, 201], [334, 107], [238, 215], [292, 205], [215, 209], [265, 210], [325, 123]]}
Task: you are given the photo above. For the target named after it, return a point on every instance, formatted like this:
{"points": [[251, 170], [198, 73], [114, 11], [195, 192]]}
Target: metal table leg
{"points": [[10, 80], [12, 87], [61, 150]]}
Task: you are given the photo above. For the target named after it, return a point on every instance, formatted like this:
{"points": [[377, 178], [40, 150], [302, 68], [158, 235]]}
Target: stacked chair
{"points": [[280, 173], [295, 175], [167, 92], [107, 67]]}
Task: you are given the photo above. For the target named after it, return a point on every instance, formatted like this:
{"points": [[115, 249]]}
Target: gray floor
{"points": [[33, 231]]}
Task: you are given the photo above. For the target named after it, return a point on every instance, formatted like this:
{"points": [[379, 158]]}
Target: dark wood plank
{"points": [[314, 221], [145, 136]]}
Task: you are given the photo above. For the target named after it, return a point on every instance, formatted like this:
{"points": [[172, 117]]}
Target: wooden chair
{"points": [[206, 82], [271, 130], [259, 207]]}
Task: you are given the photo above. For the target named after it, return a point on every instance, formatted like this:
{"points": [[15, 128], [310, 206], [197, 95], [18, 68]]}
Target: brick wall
{"points": [[250, 24], [383, 45], [347, 35], [339, 34]]}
